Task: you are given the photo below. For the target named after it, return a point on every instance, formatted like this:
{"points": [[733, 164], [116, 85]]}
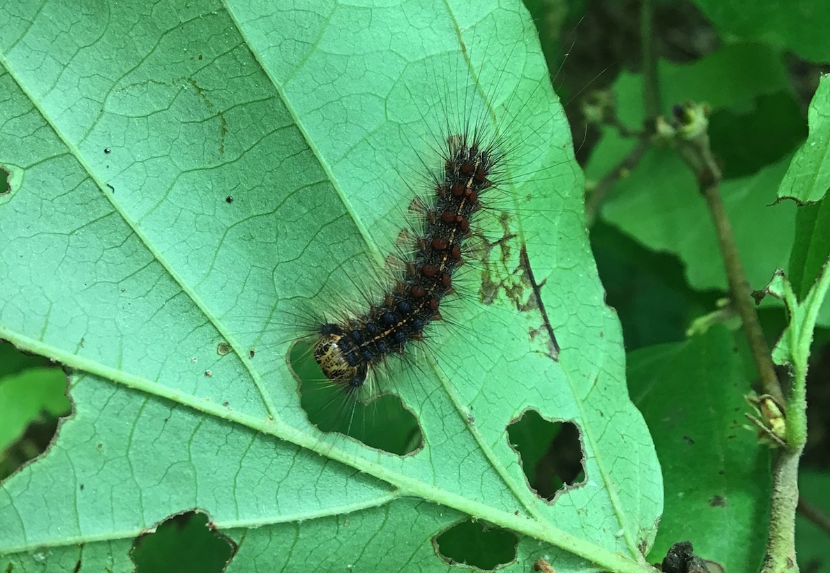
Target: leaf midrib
{"points": [[407, 486]]}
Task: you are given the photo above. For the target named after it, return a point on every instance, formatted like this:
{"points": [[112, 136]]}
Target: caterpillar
{"points": [[353, 349], [467, 149], [347, 351]]}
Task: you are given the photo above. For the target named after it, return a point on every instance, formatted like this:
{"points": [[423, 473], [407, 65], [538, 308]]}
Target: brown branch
{"points": [[623, 129], [739, 288], [814, 514], [651, 96], [689, 131], [651, 86]]}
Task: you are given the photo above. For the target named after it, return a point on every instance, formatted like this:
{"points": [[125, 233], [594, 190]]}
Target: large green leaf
{"points": [[811, 246], [717, 474], [659, 203], [126, 127], [794, 26], [808, 178]]}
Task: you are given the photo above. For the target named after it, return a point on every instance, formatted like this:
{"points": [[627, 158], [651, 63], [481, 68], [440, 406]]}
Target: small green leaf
{"points": [[808, 177], [716, 473], [794, 345]]}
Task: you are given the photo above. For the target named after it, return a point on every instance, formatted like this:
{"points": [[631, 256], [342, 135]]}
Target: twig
{"points": [[784, 499], [623, 129], [689, 131], [651, 86], [814, 514], [604, 186], [739, 287], [781, 544], [651, 95]]}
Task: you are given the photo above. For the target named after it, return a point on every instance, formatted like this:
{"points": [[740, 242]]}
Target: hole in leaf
{"points": [[381, 421], [476, 544], [32, 402], [5, 181], [551, 453], [184, 543]]}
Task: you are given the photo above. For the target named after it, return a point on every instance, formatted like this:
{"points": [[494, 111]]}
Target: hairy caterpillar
{"points": [[473, 107]]}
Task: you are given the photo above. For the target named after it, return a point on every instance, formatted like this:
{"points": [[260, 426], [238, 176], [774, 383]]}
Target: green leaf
{"points": [[647, 289], [811, 247], [660, 206], [747, 142], [23, 396], [12, 361], [808, 177], [794, 346], [125, 131], [185, 540], [730, 78], [716, 473], [799, 27]]}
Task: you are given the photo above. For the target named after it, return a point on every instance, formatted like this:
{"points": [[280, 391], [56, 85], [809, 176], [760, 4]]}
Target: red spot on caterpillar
{"points": [[347, 351]]}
